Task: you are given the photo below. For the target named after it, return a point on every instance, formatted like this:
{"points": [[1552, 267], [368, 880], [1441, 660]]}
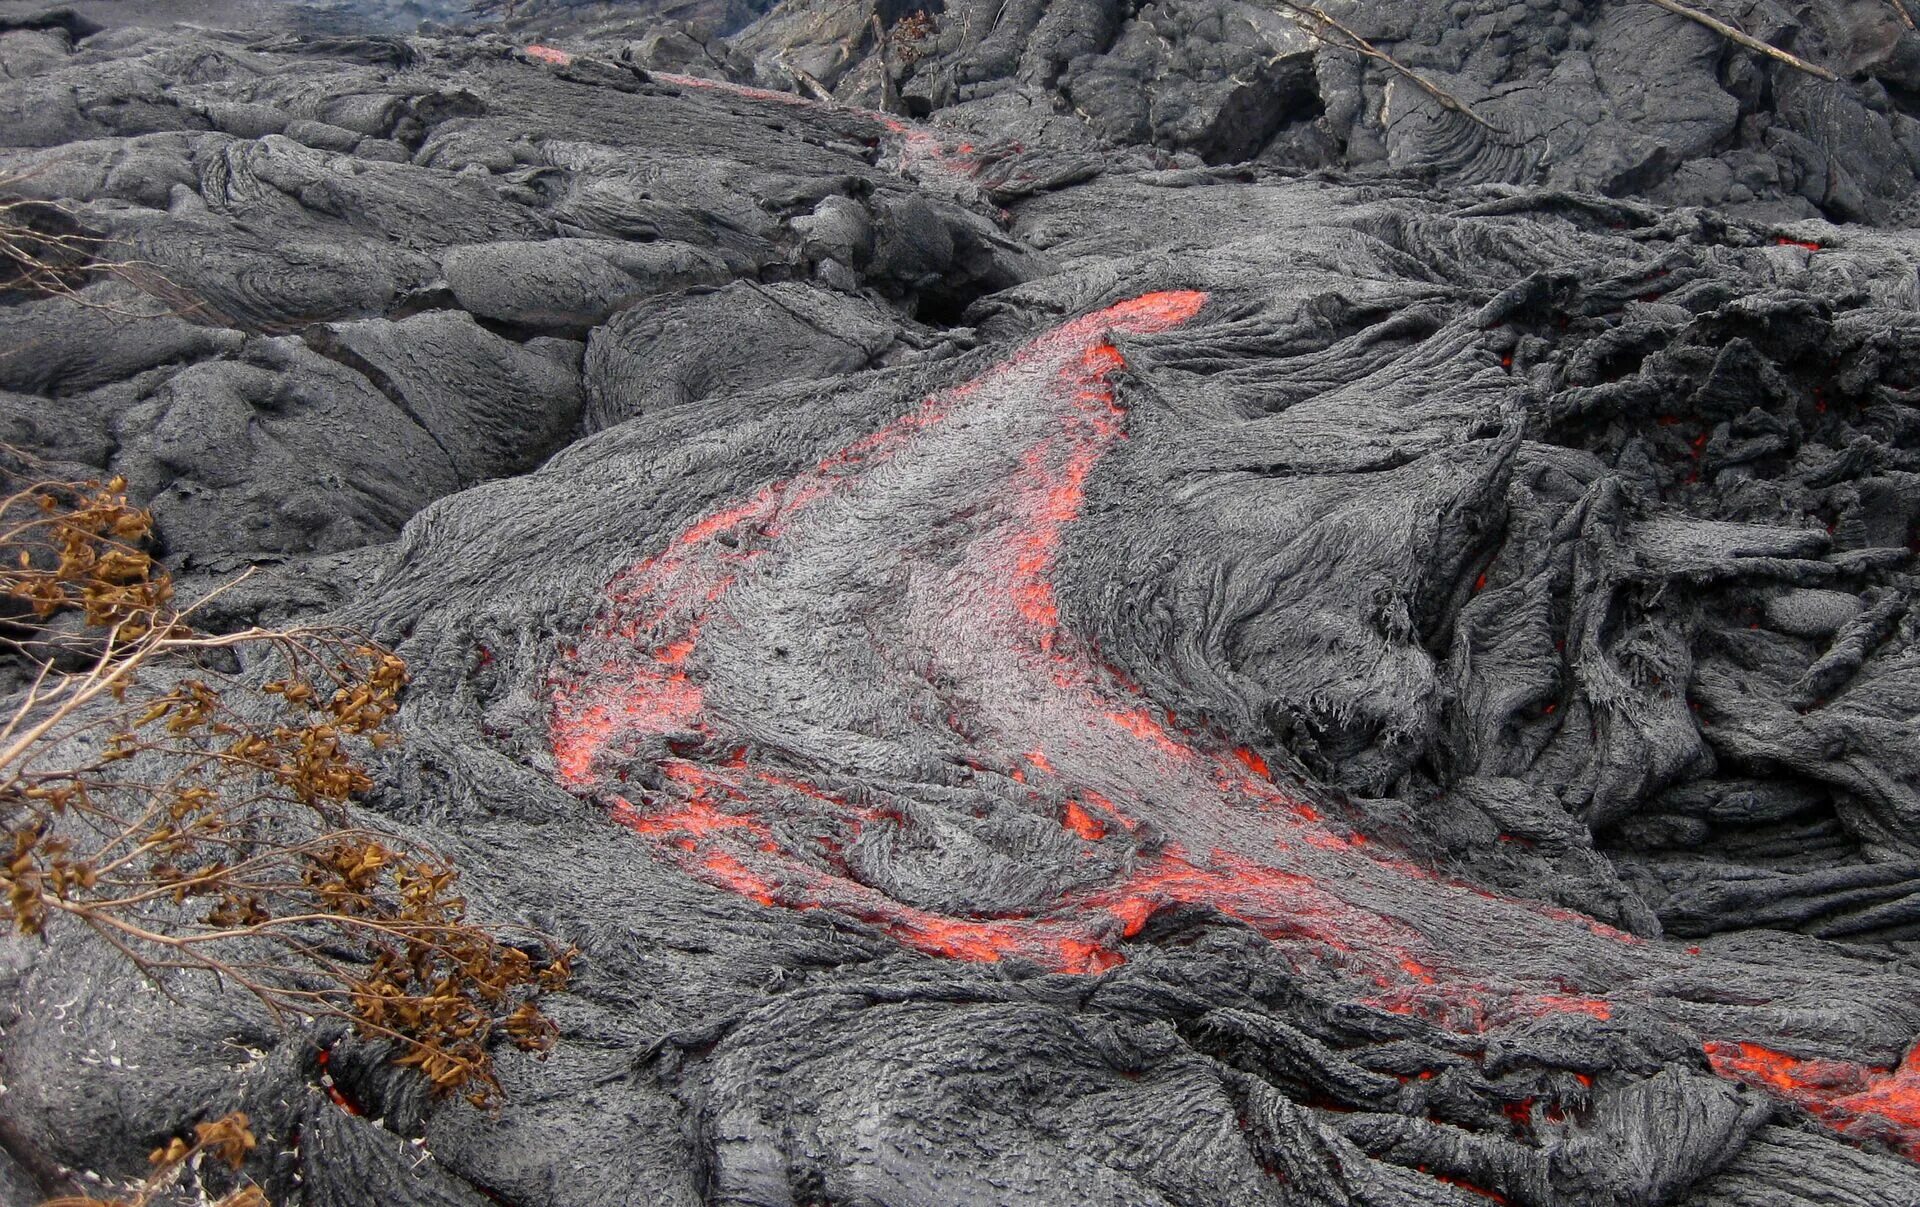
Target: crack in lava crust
{"points": [[852, 692], [919, 153]]}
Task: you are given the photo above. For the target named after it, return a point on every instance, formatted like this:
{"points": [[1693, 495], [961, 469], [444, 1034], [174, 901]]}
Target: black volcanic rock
{"points": [[1034, 666]]}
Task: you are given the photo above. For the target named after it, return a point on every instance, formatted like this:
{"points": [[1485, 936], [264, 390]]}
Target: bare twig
{"points": [[807, 80], [1749, 41], [1906, 18], [53, 263], [883, 46], [1324, 21]]}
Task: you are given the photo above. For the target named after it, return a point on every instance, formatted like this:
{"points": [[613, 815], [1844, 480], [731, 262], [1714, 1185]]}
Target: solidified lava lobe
{"points": [[607, 699], [852, 691]]}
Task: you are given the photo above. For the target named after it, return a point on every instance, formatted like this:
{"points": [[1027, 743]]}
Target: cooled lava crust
{"points": [[1035, 669]]}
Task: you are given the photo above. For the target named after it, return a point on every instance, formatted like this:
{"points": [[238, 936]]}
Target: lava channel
{"points": [[851, 691]]}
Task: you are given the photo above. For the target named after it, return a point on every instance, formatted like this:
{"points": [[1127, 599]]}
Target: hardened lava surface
{"points": [[1034, 669]]}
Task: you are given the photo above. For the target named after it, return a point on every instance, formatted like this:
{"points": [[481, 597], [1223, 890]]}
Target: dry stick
{"points": [[889, 91], [277, 1000], [1445, 99], [1748, 40], [1906, 18], [52, 1177], [103, 925], [808, 81]]}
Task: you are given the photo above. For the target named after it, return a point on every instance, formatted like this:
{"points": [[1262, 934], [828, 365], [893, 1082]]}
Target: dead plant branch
{"points": [[47, 251], [1752, 43], [227, 1141], [1320, 22], [182, 797]]}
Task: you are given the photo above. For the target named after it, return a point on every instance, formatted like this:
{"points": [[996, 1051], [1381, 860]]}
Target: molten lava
{"points": [[1854, 1099], [852, 692]]}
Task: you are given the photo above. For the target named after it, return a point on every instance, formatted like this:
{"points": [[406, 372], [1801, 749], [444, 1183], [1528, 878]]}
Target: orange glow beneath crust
{"points": [[1252, 761], [1141, 724], [630, 696], [701, 818], [1591, 1007], [1084, 823], [1857, 1100], [1471, 1188]]}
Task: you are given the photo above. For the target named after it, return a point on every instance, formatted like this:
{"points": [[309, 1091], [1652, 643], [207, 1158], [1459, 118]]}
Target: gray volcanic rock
{"points": [[570, 284], [281, 450], [662, 352], [1032, 668], [1620, 97], [495, 406]]}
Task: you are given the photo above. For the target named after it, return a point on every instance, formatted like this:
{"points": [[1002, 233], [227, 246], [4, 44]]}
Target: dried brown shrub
{"points": [[181, 796], [908, 37], [226, 1140]]}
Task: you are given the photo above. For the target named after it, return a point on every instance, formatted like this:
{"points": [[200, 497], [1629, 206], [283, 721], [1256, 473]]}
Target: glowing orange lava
{"points": [[607, 706], [1854, 1099], [659, 713]]}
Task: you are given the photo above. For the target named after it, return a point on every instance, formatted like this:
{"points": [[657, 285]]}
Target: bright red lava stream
{"points": [[933, 543]]}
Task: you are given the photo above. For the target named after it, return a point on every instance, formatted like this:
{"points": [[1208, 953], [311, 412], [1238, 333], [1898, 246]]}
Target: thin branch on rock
{"points": [[807, 80], [46, 251], [883, 46], [1752, 43], [1325, 21]]}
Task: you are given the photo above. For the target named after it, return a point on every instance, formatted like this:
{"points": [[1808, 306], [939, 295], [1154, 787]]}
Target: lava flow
{"points": [[852, 691]]}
